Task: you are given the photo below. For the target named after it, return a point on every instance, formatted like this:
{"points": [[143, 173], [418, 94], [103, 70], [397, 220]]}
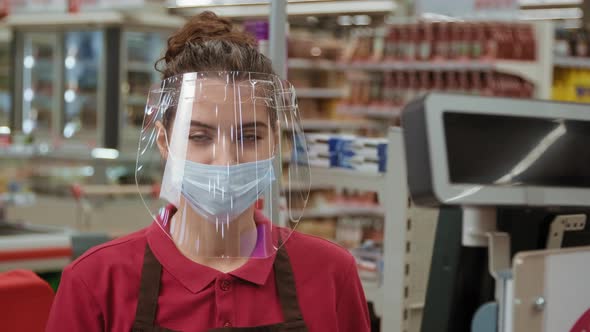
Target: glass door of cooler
{"points": [[41, 85], [5, 90], [140, 52], [82, 94]]}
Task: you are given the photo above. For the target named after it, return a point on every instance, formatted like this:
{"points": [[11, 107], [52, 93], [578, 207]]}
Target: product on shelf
{"points": [[347, 151], [369, 260], [304, 46], [441, 41], [322, 227], [396, 88], [571, 85], [574, 43]]}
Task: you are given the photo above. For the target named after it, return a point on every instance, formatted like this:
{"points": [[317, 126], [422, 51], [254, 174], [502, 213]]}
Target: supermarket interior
{"points": [[445, 148]]}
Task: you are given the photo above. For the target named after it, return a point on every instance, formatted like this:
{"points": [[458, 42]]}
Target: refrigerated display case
{"points": [[83, 57], [39, 65], [141, 50], [82, 80], [5, 98]]}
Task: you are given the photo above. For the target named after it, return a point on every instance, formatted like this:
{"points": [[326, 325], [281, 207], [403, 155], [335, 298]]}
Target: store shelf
{"points": [[321, 64], [344, 178], [342, 211], [21, 199], [262, 9], [320, 93], [531, 71], [334, 124], [373, 293], [296, 186], [381, 112], [572, 62], [64, 19], [525, 69], [81, 153], [416, 306]]}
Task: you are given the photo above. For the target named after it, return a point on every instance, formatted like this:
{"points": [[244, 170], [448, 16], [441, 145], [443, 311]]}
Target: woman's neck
{"points": [[220, 244]]}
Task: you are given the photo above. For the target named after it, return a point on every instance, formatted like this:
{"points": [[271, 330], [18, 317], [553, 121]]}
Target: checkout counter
{"points": [[511, 178]]}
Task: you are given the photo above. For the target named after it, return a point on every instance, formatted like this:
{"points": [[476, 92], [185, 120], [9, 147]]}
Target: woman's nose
{"points": [[225, 154]]}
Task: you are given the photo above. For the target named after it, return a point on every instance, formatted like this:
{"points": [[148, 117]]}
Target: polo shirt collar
{"points": [[195, 276]]}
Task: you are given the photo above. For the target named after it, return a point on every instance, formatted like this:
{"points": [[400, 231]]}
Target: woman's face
{"points": [[229, 124]]}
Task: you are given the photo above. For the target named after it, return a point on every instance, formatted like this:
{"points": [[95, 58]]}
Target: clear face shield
{"points": [[217, 141]]}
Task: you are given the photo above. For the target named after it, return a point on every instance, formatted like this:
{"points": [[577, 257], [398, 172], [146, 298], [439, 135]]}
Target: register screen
{"points": [[511, 150]]}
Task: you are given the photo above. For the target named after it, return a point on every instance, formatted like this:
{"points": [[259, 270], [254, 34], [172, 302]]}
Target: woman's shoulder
{"points": [[314, 250], [119, 253]]}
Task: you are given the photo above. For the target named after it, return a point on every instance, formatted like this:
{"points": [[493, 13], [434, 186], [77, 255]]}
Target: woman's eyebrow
{"points": [[195, 123], [253, 125]]}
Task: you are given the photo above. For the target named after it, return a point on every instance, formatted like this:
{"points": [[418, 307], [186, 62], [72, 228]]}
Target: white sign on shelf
{"points": [[36, 6], [469, 8], [88, 5]]}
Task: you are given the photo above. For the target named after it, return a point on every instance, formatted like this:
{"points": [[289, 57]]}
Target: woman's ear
{"points": [[162, 140]]}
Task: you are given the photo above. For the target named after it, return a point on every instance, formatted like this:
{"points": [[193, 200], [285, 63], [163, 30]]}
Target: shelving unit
{"points": [[329, 124], [344, 210], [378, 112], [392, 191], [72, 54], [262, 9], [313, 64], [321, 93], [572, 62], [5, 73]]}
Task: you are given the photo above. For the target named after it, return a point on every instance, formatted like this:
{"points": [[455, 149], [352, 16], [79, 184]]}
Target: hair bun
{"points": [[204, 27]]}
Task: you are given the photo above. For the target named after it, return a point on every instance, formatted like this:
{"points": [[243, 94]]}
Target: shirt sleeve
{"points": [[352, 308], [74, 308]]}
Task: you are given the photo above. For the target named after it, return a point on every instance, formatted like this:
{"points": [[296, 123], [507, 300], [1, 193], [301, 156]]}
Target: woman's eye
{"points": [[250, 138], [200, 138]]}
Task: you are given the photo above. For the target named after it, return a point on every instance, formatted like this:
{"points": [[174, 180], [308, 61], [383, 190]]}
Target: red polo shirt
{"points": [[99, 291]]}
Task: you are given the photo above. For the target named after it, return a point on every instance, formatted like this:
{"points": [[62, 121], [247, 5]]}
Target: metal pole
{"points": [[278, 56], [278, 32]]}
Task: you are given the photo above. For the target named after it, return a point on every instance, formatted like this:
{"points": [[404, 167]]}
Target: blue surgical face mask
{"points": [[224, 192]]}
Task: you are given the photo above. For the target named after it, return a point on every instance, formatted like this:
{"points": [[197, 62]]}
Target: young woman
{"points": [[214, 259]]}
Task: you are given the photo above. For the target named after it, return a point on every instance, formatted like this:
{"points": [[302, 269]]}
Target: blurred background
{"points": [[74, 78]]}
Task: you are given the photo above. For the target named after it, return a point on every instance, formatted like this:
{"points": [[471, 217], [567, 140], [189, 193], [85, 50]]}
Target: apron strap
{"points": [[149, 288], [286, 285]]}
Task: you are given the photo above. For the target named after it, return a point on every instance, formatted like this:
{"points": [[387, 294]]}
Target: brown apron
{"points": [[149, 288]]}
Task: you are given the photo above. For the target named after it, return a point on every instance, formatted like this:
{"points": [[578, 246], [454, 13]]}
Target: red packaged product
{"points": [[425, 41], [478, 41], [463, 81], [457, 40], [404, 41], [439, 81], [413, 86], [442, 40], [403, 87], [488, 83], [424, 83], [492, 37], [398, 87], [412, 42], [391, 44], [475, 84]]}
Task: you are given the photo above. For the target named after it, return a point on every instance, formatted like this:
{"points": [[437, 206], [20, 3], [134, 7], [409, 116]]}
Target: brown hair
{"points": [[208, 42]]}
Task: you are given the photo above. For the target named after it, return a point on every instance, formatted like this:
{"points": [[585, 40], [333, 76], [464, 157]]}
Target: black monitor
{"points": [[529, 159]]}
